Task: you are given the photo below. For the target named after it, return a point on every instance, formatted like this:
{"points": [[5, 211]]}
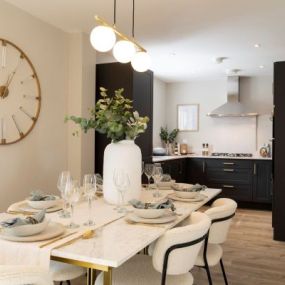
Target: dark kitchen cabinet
{"points": [[262, 183], [138, 86], [195, 172], [176, 168], [279, 152]]}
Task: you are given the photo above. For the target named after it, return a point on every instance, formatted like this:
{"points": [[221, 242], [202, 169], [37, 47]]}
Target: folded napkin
{"points": [[166, 178], [39, 196], [99, 179], [165, 204], [188, 188], [15, 222]]}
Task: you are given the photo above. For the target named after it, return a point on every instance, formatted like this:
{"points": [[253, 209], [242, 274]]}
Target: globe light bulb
{"points": [[102, 38], [124, 51], [141, 61]]}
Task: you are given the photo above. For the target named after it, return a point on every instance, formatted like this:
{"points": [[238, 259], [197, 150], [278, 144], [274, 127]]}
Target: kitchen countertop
{"points": [[171, 157]]}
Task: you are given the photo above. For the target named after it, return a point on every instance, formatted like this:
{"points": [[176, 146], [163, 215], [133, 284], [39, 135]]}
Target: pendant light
{"points": [[103, 38]]}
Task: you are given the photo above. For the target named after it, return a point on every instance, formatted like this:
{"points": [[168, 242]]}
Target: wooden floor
{"points": [[251, 257]]}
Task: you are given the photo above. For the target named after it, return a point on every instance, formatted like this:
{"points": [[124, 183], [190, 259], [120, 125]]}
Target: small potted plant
{"points": [[114, 117], [168, 138]]}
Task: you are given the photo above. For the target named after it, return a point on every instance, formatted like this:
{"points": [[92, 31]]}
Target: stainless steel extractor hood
{"points": [[233, 107]]}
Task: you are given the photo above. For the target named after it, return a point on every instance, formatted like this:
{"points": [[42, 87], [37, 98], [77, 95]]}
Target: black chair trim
{"points": [[177, 246]]}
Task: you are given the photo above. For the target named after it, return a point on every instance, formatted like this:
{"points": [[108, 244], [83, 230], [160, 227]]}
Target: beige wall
{"points": [[36, 161]]}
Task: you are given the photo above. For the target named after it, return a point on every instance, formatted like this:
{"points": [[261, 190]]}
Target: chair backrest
{"points": [[181, 260], [21, 275], [222, 208]]}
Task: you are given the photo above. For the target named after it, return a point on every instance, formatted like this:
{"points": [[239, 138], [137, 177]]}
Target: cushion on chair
{"points": [[214, 254], [19, 275], [139, 271], [62, 271]]}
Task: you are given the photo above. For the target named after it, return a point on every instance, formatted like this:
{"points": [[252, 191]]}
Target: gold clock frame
{"points": [[38, 97]]}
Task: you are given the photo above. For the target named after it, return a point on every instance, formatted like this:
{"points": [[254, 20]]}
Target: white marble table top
{"points": [[118, 241]]}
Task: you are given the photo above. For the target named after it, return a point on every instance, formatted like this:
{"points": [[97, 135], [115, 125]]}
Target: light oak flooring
{"points": [[251, 257]]}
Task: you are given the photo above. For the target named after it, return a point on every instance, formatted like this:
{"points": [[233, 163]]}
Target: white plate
{"points": [[186, 194], [25, 207], [198, 198], [40, 205], [149, 213], [162, 220], [26, 230], [52, 230], [167, 184]]}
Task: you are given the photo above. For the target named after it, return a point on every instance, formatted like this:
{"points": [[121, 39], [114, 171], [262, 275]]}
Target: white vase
{"points": [[125, 155]]}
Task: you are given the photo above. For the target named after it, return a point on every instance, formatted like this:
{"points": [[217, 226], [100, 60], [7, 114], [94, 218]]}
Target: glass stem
{"points": [[72, 213], [90, 209], [148, 187]]}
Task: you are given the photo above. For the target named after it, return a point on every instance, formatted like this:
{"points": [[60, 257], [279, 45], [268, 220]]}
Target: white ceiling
{"points": [[195, 30]]}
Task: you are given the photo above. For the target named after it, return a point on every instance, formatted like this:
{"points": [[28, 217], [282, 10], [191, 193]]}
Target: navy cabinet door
{"points": [[196, 168], [262, 188]]}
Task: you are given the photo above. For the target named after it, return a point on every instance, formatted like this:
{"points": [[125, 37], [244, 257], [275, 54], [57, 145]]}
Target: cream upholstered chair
{"points": [[173, 257], [221, 213], [63, 272], [23, 275]]}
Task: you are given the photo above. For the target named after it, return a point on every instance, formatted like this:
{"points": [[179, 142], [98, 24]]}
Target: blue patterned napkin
{"points": [[15, 222], [39, 196], [188, 188]]}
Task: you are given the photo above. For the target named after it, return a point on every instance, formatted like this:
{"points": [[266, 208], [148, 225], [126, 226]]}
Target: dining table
{"points": [[116, 239]]}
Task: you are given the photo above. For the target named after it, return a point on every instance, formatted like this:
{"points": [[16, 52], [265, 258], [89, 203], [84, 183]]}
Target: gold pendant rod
{"points": [[121, 35]]}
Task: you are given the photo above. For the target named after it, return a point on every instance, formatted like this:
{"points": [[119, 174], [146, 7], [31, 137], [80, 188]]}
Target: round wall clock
{"points": [[20, 94]]}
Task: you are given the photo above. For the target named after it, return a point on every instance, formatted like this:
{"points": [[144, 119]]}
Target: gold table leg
{"points": [[108, 277]]}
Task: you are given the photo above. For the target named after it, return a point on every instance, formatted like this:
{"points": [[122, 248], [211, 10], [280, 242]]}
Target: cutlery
{"points": [[56, 239], [20, 212], [144, 224], [86, 235]]}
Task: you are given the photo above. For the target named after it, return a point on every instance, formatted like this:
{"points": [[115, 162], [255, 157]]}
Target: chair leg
{"points": [[208, 273], [60, 283], [224, 272], [68, 282]]}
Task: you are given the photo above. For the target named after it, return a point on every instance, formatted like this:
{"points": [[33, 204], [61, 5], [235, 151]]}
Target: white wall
{"points": [[36, 161], [223, 134], [159, 107]]}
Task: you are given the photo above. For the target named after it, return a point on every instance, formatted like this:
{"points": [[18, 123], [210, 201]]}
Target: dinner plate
{"points": [[26, 208], [198, 198], [52, 230], [170, 217]]}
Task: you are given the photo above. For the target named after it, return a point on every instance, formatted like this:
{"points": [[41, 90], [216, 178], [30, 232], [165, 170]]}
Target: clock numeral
{"points": [[17, 126], [27, 114], [3, 55], [3, 130], [25, 96], [30, 77]]}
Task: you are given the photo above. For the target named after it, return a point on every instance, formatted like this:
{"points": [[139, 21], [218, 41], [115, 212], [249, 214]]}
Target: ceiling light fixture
{"points": [[261, 66], [257, 45], [126, 49]]}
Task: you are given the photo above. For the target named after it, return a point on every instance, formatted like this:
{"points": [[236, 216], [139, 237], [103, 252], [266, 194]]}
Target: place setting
{"points": [[184, 192], [155, 213]]}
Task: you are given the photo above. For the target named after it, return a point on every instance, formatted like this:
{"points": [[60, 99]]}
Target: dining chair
{"points": [[173, 257], [63, 272], [22, 275], [221, 213]]}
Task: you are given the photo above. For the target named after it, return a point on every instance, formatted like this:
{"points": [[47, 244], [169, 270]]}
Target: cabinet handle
{"points": [[229, 163], [203, 166], [229, 186], [254, 168], [229, 170]]}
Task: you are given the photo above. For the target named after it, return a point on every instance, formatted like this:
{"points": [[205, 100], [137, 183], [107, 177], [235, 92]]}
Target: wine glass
{"points": [[157, 176], [89, 184], [63, 179], [149, 171], [122, 183], [73, 193]]}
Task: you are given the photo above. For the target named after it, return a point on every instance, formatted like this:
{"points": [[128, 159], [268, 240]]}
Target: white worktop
{"points": [[171, 157]]}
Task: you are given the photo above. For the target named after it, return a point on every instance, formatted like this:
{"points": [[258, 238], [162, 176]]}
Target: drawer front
{"points": [[228, 163], [229, 175], [234, 191]]}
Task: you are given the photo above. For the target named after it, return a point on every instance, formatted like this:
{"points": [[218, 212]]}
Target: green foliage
{"points": [[114, 117], [166, 136]]}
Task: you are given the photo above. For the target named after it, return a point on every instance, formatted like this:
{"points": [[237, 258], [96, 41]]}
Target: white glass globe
{"points": [[141, 61], [102, 38], [124, 51]]}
